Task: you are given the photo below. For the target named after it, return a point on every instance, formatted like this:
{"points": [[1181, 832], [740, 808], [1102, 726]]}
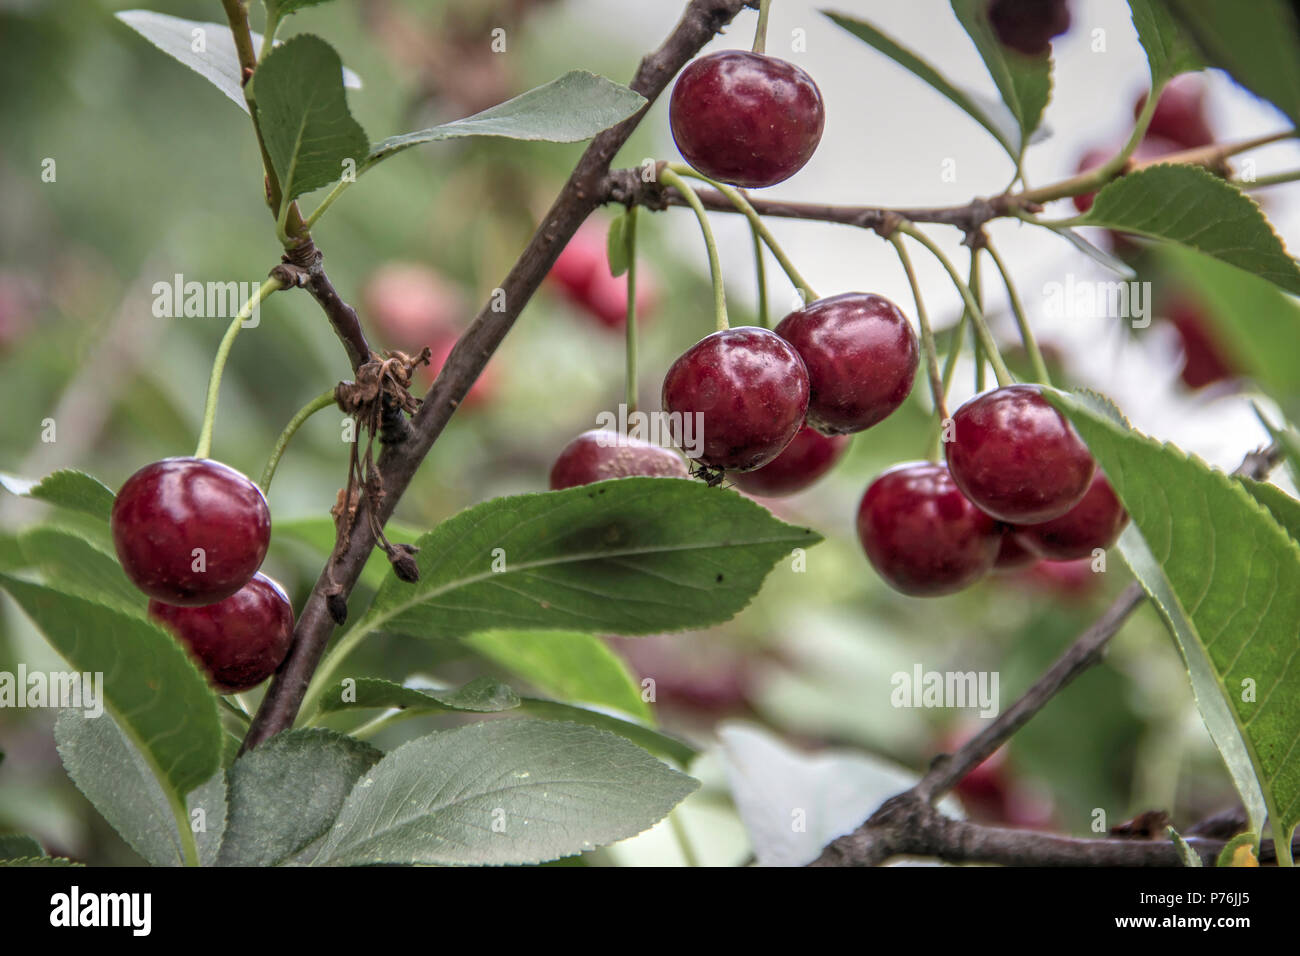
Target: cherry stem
{"points": [[743, 205], [671, 178], [325, 203], [760, 32], [927, 337], [1273, 179], [984, 336], [323, 400], [959, 332], [219, 363], [181, 814], [629, 239], [1018, 310], [760, 274]]}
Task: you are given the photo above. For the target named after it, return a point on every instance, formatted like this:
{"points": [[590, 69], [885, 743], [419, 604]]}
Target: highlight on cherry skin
{"points": [[745, 118], [190, 531], [598, 455]]}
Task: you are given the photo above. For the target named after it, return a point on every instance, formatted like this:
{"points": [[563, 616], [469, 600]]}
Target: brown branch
{"points": [[303, 266], [908, 821], [580, 196]]}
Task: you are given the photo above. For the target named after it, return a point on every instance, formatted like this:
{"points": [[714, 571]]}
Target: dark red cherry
{"points": [[1012, 555], [809, 456], [597, 455], [1205, 360], [1018, 458], [750, 389], [861, 355], [1027, 26], [1179, 115], [746, 118], [190, 531], [239, 641], [1095, 522], [922, 534]]}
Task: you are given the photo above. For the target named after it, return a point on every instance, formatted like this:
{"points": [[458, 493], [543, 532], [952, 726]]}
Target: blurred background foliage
{"points": [[157, 174]]}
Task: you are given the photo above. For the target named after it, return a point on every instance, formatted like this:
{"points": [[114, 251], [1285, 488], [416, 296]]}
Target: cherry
{"points": [[746, 118], [411, 305], [1179, 115], [861, 355], [240, 640], [190, 531], [582, 273], [1027, 26], [1012, 554], [1205, 361], [597, 455], [1095, 522], [922, 535], [1016, 457], [808, 456], [750, 388]]}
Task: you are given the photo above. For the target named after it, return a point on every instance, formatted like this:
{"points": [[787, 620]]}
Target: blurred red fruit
{"points": [[582, 274], [410, 305], [481, 393], [1205, 360], [1179, 115], [1012, 555], [1068, 579]]}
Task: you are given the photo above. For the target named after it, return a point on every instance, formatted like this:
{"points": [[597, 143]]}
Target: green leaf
{"points": [[1226, 578], [78, 567], [206, 48], [574, 107], [481, 695], [1169, 50], [115, 777], [11, 552], [1228, 855], [41, 861], [567, 665], [616, 244], [628, 556], [282, 8], [286, 793], [992, 115], [155, 691], [67, 489], [302, 112], [318, 535], [1025, 82], [1189, 856], [500, 792], [1259, 45], [647, 738], [1190, 206], [17, 846], [1284, 509]]}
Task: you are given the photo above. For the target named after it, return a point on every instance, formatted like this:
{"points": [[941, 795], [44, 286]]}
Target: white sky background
{"points": [[886, 139]]}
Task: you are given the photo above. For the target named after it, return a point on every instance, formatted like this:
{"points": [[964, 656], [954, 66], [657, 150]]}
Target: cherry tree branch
{"points": [[909, 824], [581, 195]]}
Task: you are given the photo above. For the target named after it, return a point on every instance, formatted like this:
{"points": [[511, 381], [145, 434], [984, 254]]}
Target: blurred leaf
{"points": [[1169, 50], [616, 244], [216, 61], [993, 116], [481, 695], [1239, 851], [1226, 579], [19, 846], [505, 791], [318, 534], [11, 552], [574, 107], [118, 780], [1025, 82], [568, 665], [1195, 208], [1097, 254], [1259, 45], [150, 684], [302, 112], [67, 489], [287, 792], [628, 556], [77, 566], [282, 8], [40, 861], [1189, 856]]}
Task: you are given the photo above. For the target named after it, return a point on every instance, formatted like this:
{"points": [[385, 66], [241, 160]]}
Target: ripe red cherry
{"points": [[922, 535], [1016, 457], [746, 118], [1027, 26], [239, 641], [597, 455], [1205, 361], [190, 531], [751, 388], [809, 456], [1095, 522], [861, 356], [1012, 554], [582, 274], [411, 305], [1179, 115]]}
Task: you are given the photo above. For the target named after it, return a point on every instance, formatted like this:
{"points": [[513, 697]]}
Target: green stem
{"points": [[679, 828], [328, 665], [982, 332], [927, 341], [233, 708], [760, 271], [189, 847], [959, 333], [268, 36], [977, 290], [328, 201], [1018, 309], [323, 400], [1116, 162], [219, 364], [629, 386], [760, 33], [670, 177], [1271, 180], [737, 199]]}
